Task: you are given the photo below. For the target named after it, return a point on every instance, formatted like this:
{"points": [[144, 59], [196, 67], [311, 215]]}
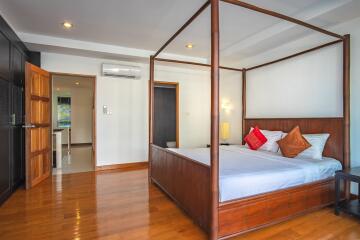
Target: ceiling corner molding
{"points": [[93, 47]]}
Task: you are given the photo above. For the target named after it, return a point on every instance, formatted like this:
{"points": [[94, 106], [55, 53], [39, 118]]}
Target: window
{"points": [[64, 112]]}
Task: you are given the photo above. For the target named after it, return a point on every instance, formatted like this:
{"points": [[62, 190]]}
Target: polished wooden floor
{"points": [[121, 205]]}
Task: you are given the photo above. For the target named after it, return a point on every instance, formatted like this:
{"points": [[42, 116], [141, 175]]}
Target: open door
{"points": [[37, 125]]}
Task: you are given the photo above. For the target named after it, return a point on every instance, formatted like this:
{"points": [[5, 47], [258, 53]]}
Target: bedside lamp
{"points": [[225, 132]]}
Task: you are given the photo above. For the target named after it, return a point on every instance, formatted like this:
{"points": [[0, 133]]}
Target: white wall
{"points": [[306, 86], [309, 86], [122, 136], [194, 107], [231, 92], [81, 113], [195, 103]]}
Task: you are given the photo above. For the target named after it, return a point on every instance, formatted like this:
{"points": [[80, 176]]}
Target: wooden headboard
{"points": [[334, 126]]}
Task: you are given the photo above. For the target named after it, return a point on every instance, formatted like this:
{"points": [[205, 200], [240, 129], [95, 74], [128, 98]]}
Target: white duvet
{"points": [[244, 172]]}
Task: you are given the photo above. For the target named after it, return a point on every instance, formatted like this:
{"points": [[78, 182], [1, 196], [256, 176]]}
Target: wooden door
{"points": [[37, 125]]}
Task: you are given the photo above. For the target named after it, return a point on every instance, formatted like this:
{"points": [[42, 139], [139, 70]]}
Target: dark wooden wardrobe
{"points": [[13, 54]]}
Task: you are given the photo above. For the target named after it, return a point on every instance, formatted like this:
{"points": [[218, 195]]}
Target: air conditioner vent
{"points": [[121, 71]]}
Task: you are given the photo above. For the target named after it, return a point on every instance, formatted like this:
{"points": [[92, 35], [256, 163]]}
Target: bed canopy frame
{"points": [[222, 220]]}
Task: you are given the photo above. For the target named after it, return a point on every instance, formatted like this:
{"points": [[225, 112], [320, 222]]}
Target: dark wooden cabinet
{"points": [[13, 55], [5, 156], [4, 57], [18, 136]]}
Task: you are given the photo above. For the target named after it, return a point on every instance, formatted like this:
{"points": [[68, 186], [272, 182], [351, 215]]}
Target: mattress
{"points": [[244, 172]]}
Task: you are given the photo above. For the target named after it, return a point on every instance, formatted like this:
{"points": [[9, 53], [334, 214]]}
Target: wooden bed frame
{"points": [[195, 186], [174, 173]]}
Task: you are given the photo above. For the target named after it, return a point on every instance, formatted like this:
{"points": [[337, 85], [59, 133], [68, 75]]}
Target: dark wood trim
{"points": [[195, 63], [94, 135], [188, 22], [214, 134], [123, 166], [243, 95], [151, 111], [296, 54], [282, 16], [177, 89], [346, 106], [51, 122]]}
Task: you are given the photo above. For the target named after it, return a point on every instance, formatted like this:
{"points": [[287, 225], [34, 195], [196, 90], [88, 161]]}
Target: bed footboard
{"points": [[251, 213], [184, 180]]}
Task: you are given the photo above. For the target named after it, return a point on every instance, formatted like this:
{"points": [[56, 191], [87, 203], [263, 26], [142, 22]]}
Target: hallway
{"points": [[80, 159]]}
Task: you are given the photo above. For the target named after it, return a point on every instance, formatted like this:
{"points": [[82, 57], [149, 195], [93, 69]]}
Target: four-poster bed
{"points": [[194, 186]]}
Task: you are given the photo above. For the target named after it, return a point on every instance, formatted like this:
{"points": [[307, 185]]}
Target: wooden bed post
{"points": [[243, 92], [151, 113], [214, 148], [346, 107]]}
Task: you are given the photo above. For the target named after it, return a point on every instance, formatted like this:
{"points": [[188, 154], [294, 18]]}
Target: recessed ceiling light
{"points": [[67, 25], [77, 83], [189, 45]]}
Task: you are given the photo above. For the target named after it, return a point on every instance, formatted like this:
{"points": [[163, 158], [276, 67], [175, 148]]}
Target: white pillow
{"points": [[316, 150], [317, 142], [272, 138]]}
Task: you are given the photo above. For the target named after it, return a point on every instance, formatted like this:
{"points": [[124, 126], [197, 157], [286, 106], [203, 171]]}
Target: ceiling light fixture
{"points": [[189, 45], [67, 25], [77, 83]]}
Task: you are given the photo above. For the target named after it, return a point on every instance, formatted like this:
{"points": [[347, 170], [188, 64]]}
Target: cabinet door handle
{"points": [[29, 126]]}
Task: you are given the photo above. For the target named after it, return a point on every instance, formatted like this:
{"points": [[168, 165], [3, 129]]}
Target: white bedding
{"points": [[244, 172]]}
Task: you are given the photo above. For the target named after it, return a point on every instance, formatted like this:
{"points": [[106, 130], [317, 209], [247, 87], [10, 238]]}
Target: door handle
{"points": [[29, 126]]}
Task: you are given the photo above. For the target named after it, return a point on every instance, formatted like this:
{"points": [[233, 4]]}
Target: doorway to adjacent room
{"points": [[73, 123], [166, 114]]}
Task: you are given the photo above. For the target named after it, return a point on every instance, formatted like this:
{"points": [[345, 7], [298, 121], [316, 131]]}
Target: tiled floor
{"points": [[79, 159]]}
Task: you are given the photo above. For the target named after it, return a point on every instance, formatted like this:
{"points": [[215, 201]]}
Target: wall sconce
{"points": [[226, 106]]}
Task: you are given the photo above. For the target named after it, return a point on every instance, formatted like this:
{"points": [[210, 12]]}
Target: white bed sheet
{"points": [[244, 172]]}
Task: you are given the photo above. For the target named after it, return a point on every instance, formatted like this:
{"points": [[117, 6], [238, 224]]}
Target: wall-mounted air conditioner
{"points": [[115, 70]]}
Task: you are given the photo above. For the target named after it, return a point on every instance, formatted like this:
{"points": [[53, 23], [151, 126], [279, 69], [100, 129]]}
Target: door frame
{"points": [[176, 85], [52, 74]]}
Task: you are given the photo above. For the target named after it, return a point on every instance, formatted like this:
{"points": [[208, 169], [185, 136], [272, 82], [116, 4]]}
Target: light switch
{"points": [[106, 110]]}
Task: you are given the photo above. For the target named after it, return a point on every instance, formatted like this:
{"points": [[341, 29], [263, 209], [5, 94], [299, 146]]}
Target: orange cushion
{"points": [[293, 144]]}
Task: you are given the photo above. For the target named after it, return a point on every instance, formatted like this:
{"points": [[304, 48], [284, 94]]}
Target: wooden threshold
{"points": [[123, 166]]}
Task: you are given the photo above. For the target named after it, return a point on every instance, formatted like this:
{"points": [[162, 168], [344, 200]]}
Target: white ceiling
{"points": [[66, 82], [133, 29]]}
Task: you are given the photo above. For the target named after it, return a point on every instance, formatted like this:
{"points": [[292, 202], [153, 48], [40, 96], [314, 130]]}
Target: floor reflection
{"points": [[79, 159], [121, 205], [95, 205]]}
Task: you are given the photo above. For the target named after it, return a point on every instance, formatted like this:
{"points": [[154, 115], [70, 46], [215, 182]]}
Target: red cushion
{"points": [[255, 139]]}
